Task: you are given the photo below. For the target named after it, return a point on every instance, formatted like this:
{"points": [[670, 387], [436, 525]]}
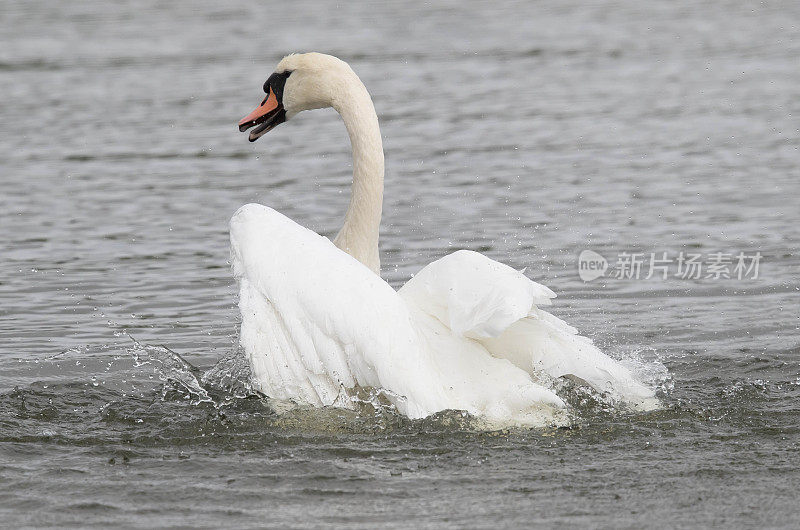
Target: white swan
{"points": [[465, 333]]}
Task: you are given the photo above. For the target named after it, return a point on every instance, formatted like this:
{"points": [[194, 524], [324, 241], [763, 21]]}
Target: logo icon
{"points": [[591, 265]]}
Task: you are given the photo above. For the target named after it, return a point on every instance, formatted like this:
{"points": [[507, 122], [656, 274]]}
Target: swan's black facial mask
{"points": [[270, 113]]}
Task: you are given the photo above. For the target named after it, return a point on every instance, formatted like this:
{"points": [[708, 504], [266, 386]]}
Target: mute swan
{"points": [[465, 333]]}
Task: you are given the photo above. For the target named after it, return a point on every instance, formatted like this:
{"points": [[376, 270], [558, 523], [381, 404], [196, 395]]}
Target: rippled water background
{"points": [[527, 131]]}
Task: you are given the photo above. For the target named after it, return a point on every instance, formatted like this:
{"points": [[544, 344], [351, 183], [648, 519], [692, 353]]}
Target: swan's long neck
{"points": [[359, 234]]}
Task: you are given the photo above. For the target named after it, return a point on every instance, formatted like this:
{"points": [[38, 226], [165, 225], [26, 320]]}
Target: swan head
{"points": [[300, 82]]}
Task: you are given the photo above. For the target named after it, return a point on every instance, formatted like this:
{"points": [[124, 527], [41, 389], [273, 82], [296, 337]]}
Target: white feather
{"points": [[315, 320]]}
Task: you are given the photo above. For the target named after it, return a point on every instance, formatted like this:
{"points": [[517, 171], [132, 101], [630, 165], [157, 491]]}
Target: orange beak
{"points": [[267, 115], [269, 104]]}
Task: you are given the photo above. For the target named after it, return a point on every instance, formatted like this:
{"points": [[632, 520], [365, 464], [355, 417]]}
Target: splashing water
{"points": [[230, 380], [172, 369]]}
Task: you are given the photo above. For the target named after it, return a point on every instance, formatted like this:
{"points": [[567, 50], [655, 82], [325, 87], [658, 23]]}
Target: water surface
{"points": [[526, 131]]}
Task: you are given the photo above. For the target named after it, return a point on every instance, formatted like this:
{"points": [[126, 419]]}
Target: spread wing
{"points": [[315, 320], [497, 306]]}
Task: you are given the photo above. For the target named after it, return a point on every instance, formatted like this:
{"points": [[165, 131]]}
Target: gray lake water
{"points": [[527, 131]]}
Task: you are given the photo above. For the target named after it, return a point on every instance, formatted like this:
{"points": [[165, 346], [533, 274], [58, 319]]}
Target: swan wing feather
{"points": [[473, 295], [498, 307], [315, 320]]}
